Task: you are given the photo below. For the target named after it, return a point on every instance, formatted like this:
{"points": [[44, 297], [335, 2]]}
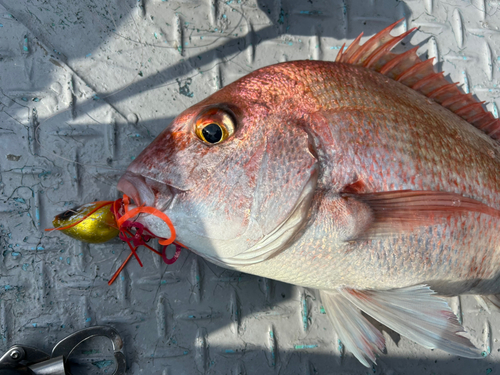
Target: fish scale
{"points": [[425, 138], [330, 175]]}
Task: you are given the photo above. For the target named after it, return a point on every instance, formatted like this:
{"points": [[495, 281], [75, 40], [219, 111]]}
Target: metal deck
{"points": [[86, 85]]}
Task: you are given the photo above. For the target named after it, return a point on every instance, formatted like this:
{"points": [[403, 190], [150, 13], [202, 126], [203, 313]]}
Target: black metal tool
{"points": [[27, 360]]}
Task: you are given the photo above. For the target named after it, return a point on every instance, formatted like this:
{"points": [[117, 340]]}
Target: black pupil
{"points": [[212, 133]]}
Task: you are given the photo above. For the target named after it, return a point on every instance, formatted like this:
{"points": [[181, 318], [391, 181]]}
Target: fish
{"points": [[371, 179]]}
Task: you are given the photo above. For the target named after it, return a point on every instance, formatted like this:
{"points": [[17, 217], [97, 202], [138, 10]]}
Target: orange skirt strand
{"points": [[132, 232]]}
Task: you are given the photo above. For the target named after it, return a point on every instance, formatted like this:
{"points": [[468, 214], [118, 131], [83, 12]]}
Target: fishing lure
{"points": [[102, 221]]}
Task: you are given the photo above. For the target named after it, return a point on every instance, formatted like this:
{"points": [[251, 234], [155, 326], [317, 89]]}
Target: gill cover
{"points": [[250, 192]]}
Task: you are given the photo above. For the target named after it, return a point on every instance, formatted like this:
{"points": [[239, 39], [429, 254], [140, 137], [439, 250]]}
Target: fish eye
{"points": [[214, 126]]}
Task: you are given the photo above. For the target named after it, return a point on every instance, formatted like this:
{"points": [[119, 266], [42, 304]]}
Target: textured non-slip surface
{"points": [[86, 85]]}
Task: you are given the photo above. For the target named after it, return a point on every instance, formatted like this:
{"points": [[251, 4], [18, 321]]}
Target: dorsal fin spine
{"points": [[397, 60], [426, 81], [477, 118], [495, 134], [351, 49], [469, 110], [414, 70], [386, 47], [448, 102], [457, 102], [339, 55], [449, 88], [410, 70], [371, 46], [490, 125]]}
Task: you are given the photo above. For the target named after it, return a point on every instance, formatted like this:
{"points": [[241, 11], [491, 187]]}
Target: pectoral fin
{"points": [[393, 212], [414, 312], [494, 299]]}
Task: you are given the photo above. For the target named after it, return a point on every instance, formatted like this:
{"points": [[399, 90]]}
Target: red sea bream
{"points": [[372, 179]]}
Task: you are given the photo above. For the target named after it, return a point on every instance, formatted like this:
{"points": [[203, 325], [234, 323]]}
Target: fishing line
{"points": [[208, 33]]}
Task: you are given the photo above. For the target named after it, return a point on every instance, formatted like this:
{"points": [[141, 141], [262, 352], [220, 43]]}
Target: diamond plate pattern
{"points": [[85, 86]]}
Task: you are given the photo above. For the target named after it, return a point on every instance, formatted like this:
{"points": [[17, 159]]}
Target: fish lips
{"points": [[145, 191]]}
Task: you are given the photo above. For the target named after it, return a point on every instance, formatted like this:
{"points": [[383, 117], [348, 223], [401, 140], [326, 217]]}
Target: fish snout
{"points": [[135, 187]]}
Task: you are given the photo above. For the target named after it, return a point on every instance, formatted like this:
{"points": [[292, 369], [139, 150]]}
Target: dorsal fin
{"points": [[418, 74]]}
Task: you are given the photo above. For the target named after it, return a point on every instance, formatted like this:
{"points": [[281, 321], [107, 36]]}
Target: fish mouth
{"points": [[135, 187]]}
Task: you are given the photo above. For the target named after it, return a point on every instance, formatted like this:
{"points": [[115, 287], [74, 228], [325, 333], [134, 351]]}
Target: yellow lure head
{"points": [[91, 222]]}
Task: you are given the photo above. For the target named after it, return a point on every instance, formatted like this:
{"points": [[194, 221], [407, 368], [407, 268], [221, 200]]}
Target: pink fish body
{"points": [[335, 176]]}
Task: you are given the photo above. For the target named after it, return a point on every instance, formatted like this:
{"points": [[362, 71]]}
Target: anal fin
{"points": [[414, 312], [418, 314], [357, 334]]}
